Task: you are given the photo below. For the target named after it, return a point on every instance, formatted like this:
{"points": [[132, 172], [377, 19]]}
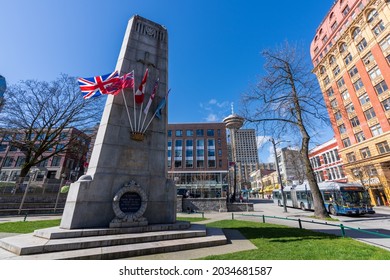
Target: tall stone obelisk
{"points": [[126, 182]]}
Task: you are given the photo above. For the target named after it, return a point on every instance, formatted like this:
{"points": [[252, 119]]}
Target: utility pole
{"points": [[279, 176]]}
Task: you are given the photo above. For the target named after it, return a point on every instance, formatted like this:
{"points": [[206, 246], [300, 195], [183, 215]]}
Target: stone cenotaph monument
{"points": [[126, 184]]}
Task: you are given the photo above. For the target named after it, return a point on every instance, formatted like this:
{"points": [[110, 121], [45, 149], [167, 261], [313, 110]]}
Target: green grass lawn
{"points": [[277, 242], [273, 242], [27, 227]]}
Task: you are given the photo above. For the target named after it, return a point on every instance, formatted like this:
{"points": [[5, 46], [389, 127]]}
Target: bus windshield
{"points": [[355, 196]]}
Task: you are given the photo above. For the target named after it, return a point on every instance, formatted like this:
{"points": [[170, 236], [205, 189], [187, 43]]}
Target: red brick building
{"points": [[351, 56]]}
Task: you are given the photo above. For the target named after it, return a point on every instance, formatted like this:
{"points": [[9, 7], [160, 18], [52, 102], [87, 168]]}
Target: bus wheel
{"points": [[303, 206], [332, 210]]}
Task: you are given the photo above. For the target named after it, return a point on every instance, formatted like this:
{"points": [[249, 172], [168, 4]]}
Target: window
{"points": [[189, 143], [178, 153], [169, 133], [343, 47], [351, 157], [386, 104], [340, 82], [334, 26], [355, 33], [324, 39], [20, 161], [368, 59], [353, 71], [381, 87], [342, 128], [199, 153], [383, 147], [362, 45], [199, 132], [372, 15], [179, 133], [355, 122], [189, 132], [385, 44], [365, 152], [330, 92], [350, 108], [360, 136], [358, 84], [211, 143], [376, 130], [210, 132], [3, 148], [374, 73], [211, 163], [200, 142], [363, 99], [177, 163], [56, 161], [345, 10], [347, 58], [345, 95], [178, 143], [334, 104], [346, 142], [200, 163], [337, 116], [332, 59], [370, 113], [336, 71], [326, 81], [189, 163], [378, 28]]}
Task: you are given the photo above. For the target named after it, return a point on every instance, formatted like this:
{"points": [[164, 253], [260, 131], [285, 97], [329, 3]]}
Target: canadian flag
{"points": [[140, 93]]}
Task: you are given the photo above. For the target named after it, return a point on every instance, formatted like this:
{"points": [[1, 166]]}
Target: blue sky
{"points": [[214, 45]]}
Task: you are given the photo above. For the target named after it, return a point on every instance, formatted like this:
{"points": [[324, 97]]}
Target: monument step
{"points": [[59, 233], [214, 237], [32, 244]]}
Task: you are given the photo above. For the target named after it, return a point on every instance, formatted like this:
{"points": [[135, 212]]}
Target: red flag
{"points": [[128, 80], [140, 93], [146, 110]]}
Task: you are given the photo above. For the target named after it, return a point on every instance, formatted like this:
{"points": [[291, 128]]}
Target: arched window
{"points": [[342, 47], [332, 59], [331, 16], [372, 15], [355, 33], [322, 69]]}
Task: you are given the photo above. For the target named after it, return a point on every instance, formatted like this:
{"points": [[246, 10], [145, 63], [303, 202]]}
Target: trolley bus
{"points": [[339, 198]]}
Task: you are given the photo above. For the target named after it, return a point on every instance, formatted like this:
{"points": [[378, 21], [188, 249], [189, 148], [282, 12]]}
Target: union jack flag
{"points": [[96, 86]]}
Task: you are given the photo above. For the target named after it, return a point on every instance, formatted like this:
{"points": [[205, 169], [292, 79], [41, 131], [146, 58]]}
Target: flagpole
{"points": [[135, 117], [149, 122], [127, 109], [149, 101], [139, 120], [166, 100]]}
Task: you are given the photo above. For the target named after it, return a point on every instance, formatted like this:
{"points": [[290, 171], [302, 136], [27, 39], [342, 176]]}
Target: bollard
{"points": [[263, 219], [202, 215], [232, 216], [300, 223], [342, 230], [25, 217]]}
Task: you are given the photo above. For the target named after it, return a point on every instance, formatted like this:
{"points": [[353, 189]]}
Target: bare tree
{"points": [[40, 113], [287, 102]]}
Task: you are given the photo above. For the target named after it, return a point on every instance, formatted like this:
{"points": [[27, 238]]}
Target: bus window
{"points": [[327, 196], [303, 195], [288, 195]]}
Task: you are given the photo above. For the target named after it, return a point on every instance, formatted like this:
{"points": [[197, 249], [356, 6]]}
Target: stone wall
{"points": [[33, 203], [240, 207], [201, 204]]}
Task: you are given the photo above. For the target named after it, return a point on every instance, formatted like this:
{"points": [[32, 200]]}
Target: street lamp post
{"points": [[32, 173], [63, 176], [279, 176]]}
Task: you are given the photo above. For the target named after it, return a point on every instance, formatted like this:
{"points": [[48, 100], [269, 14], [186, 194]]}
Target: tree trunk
{"points": [[319, 207]]}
